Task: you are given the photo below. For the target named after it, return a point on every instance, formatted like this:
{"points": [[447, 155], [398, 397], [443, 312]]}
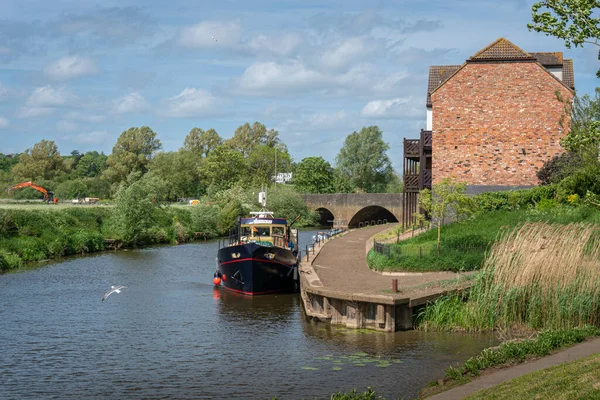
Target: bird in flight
{"points": [[113, 289], [214, 38]]}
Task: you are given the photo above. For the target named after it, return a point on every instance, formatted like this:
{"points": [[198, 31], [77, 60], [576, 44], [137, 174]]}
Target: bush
{"points": [[559, 167], [9, 260]]}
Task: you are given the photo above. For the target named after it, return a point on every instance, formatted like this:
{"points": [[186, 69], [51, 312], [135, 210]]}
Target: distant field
{"points": [[40, 205]]}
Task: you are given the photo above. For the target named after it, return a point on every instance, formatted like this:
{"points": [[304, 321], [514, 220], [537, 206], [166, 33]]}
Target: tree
{"points": [[314, 175], [363, 160], [42, 161], [136, 207], [8, 161], [90, 165], [570, 20], [447, 199], [132, 153], [247, 137], [264, 161], [223, 167], [584, 136], [202, 142], [178, 172]]}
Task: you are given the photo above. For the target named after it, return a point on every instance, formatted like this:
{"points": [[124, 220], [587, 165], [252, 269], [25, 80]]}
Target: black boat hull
{"points": [[253, 269]]}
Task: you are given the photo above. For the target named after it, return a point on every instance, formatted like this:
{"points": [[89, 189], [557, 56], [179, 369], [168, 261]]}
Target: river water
{"points": [[171, 334]]}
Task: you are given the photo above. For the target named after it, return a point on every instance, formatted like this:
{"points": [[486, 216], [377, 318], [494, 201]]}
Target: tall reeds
{"points": [[538, 276]]}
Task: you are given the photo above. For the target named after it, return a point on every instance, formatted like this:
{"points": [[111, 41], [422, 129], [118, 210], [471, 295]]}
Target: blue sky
{"points": [[81, 72]]}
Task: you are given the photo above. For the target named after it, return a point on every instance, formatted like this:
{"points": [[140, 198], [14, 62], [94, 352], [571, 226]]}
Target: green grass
{"points": [[463, 243], [578, 379]]}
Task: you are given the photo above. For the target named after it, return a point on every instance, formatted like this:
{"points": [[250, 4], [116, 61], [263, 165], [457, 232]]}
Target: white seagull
{"points": [[214, 38], [113, 289]]}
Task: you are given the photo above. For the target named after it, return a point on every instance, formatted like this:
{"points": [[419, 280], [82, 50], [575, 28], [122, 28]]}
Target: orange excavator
{"points": [[48, 195]]}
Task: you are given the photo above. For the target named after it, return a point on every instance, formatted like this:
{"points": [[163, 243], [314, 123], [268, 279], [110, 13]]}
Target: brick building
{"points": [[492, 122]]}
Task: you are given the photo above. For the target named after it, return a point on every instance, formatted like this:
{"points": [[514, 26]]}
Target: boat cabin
{"points": [[266, 230]]}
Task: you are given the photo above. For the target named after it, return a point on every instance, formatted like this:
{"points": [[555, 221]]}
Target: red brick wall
{"points": [[484, 117]]}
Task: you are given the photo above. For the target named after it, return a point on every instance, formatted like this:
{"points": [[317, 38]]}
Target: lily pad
{"points": [[310, 368], [336, 368]]}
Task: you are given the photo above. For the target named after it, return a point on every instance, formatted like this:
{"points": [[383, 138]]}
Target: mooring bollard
{"points": [[395, 285]]}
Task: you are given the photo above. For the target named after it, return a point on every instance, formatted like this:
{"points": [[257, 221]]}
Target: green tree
{"points": [[584, 134], [264, 161], [201, 142], [91, 164], [42, 161], [313, 175], [570, 20], [132, 153], [8, 161], [179, 173], [363, 160], [136, 207], [286, 202], [224, 167], [247, 137], [447, 199]]}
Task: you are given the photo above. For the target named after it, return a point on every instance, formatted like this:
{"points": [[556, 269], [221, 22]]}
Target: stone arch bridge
{"points": [[355, 209]]}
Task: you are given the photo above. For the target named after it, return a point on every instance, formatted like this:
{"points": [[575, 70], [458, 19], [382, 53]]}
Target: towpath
{"points": [[571, 354], [341, 266]]}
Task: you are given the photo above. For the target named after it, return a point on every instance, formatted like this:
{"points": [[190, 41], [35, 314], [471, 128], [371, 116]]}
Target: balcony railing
{"points": [[411, 147], [426, 139]]}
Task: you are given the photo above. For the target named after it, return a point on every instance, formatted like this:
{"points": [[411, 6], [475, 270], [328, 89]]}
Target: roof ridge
{"points": [[500, 49]]}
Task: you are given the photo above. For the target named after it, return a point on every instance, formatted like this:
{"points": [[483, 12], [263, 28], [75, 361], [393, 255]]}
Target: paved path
{"points": [[573, 353], [342, 266]]}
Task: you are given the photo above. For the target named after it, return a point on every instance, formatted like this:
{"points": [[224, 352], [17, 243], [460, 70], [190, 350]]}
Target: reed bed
{"points": [[536, 276]]}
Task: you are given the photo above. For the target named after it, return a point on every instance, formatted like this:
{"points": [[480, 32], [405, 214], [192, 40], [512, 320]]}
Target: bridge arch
{"points": [[371, 215], [325, 217]]}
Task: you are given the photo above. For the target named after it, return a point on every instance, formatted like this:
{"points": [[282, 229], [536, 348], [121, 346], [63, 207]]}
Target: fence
{"points": [[420, 251]]}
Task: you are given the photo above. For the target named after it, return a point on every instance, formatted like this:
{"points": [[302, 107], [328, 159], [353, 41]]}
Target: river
{"points": [[171, 334]]}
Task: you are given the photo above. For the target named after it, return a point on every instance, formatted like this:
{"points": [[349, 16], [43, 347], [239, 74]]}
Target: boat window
{"points": [[246, 231], [278, 230], [261, 231]]}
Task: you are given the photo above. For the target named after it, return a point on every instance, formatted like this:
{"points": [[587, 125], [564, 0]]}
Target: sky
{"points": [[81, 72]]}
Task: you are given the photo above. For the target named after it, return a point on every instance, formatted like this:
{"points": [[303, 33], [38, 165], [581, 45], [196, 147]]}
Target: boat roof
{"points": [[264, 220]]}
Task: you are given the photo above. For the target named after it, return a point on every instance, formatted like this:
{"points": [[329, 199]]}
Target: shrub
{"points": [[9, 260]]}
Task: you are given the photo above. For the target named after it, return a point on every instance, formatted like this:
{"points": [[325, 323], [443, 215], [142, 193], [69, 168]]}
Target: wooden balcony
{"points": [[412, 148], [426, 139]]}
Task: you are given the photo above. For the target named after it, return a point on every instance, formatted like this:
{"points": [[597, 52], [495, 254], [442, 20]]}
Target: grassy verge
{"points": [[510, 353], [574, 380], [463, 244]]}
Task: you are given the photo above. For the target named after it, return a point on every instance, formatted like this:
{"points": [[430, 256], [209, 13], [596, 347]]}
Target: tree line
{"points": [[205, 164]]}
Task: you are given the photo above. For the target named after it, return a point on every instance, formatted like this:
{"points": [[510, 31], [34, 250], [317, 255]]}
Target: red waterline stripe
{"points": [[251, 293], [255, 259]]}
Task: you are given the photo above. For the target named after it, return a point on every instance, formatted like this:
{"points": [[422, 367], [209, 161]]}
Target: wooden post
{"points": [[395, 285]]}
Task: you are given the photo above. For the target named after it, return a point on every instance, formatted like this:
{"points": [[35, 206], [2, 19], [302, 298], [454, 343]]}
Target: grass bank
{"points": [[511, 353], [40, 234], [578, 379], [464, 244]]}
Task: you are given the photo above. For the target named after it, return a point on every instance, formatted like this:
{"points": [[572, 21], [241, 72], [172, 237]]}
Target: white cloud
{"points": [[393, 108], [199, 36], [79, 116], [130, 103], [344, 54], [273, 77], [66, 126], [32, 112], [191, 102], [89, 138], [281, 45], [48, 96], [4, 123], [70, 67]]}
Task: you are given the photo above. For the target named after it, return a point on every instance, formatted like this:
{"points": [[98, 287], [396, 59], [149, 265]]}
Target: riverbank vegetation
{"points": [[135, 219], [510, 353]]}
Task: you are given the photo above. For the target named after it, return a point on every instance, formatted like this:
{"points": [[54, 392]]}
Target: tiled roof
{"points": [[437, 75], [549, 59], [568, 77], [501, 49]]}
